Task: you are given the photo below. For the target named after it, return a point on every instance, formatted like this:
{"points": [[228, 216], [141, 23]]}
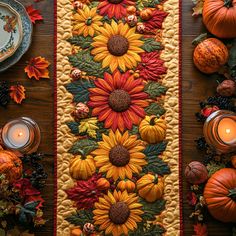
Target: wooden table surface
{"points": [[39, 105]]}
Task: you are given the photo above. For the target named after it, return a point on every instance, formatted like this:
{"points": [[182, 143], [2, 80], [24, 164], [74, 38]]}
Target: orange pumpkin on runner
{"points": [[219, 16], [210, 55]]}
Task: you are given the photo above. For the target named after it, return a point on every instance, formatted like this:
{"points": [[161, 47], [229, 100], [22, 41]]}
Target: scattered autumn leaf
{"points": [[200, 230], [197, 10], [34, 14], [17, 93], [192, 198], [37, 68]]}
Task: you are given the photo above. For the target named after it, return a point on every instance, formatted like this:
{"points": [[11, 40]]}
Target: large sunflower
{"points": [[118, 213], [114, 8], [86, 22], [117, 46], [119, 100], [119, 156]]}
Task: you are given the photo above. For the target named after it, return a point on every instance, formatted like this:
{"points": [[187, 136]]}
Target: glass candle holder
{"points": [[220, 131], [22, 135]]}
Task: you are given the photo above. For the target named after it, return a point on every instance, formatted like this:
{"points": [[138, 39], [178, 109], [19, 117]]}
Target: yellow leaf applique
{"points": [[89, 126]]}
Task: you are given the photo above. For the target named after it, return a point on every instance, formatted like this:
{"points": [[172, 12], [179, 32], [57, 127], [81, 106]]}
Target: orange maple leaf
{"points": [[37, 68], [34, 14], [17, 93]]}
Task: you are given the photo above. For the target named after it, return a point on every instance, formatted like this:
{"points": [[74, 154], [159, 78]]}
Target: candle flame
{"points": [[227, 131], [20, 134]]}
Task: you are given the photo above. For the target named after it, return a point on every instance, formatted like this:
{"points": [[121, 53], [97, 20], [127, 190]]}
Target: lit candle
{"points": [[227, 130], [22, 135], [220, 131], [18, 135]]}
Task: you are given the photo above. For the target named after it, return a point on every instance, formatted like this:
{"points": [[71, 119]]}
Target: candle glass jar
{"points": [[212, 134], [32, 139]]}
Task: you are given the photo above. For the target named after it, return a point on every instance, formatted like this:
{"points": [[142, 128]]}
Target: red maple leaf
{"points": [[34, 14], [200, 230]]}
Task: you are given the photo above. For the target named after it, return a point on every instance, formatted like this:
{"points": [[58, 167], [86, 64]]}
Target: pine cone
{"points": [[227, 88], [4, 94]]}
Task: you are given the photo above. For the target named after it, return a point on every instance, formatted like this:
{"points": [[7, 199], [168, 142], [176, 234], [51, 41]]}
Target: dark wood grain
{"points": [[196, 87], [39, 102]]}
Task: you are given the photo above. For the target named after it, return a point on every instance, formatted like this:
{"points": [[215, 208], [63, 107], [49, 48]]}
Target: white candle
{"points": [[227, 130], [18, 135]]}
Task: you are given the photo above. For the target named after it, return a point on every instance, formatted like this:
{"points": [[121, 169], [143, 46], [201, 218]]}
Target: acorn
{"points": [[81, 111], [227, 88], [131, 20], [75, 73], [141, 28], [88, 228], [78, 5]]}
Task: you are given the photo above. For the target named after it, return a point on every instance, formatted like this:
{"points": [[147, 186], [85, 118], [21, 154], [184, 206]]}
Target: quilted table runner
{"points": [[118, 119]]}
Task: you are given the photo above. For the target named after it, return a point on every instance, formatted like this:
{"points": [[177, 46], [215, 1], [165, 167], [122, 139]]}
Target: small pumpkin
{"points": [[219, 16], [10, 165], [210, 55], [82, 167], [146, 14], [76, 232], [131, 10], [196, 172], [153, 129], [127, 185], [103, 184], [220, 195], [233, 161], [150, 187]]}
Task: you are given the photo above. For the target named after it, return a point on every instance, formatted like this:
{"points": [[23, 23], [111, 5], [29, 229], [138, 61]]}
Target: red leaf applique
{"points": [[34, 14], [17, 93], [200, 230], [37, 68]]}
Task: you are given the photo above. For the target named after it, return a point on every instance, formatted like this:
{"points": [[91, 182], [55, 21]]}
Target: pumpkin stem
{"points": [[232, 194], [152, 121], [199, 38], [156, 179], [228, 3]]}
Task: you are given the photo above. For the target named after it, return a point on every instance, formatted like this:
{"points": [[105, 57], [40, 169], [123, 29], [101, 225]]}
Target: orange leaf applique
{"points": [[17, 93], [37, 68], [200, 230], [34, 14]]}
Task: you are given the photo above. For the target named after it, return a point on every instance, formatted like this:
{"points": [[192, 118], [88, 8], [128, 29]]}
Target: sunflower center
{"points": [[115, 1], [119, 100], [119, 156], [118, 45], [119, 213]]}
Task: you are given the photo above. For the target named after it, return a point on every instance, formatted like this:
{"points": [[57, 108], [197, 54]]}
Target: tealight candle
{"points": [[21, 135], [220, 131]]}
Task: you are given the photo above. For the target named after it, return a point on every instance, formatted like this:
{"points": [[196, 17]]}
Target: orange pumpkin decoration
{"points": [[127, 185], [10, 165], [219, 16], [150, 187], [76, 232], [233, 161], [220, 195], [196, 172], [131, 10], [146, 14], [103, 184], [210, 55]]}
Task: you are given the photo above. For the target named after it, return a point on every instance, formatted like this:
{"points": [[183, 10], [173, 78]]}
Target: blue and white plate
{"points": [[27, 29]]}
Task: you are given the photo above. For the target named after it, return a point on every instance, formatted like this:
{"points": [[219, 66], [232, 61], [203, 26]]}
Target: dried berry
{"points": [[227, 88], [4, 94]]}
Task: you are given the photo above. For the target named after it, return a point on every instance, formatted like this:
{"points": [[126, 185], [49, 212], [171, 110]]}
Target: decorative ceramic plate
{"points": [[10, 30], [27, 35]]}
